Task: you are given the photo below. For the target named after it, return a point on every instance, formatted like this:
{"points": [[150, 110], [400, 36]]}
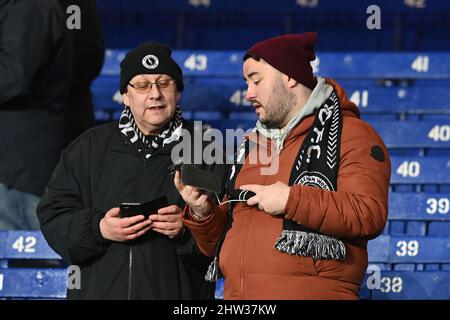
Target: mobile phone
{"points": [[202, 179], [130, 209]]}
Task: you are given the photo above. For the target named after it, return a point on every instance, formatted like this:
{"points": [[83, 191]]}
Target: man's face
{"points": [[153, 107], [268, 93]]}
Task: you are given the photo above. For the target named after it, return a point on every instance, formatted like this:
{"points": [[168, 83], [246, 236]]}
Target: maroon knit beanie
{"points": [[291, 54]]}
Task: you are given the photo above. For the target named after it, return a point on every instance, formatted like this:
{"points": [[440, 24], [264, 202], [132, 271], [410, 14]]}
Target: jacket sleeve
{"points": [[29, 29], [358, 209], [208, 232], [70, 227]]}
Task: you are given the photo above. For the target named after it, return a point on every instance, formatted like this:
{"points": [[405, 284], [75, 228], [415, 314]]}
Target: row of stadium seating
{"points": [[272, 6], [232, 24], [387, 86], [411, 258], [230, 96], [350, 65]]}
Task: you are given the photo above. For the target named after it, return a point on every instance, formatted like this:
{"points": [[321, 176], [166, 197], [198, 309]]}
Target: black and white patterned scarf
{"points": [[151, 143], [316, 165]]}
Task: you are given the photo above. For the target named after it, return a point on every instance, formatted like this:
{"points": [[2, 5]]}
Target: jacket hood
{"points": [[349, 109], [347, 106]]}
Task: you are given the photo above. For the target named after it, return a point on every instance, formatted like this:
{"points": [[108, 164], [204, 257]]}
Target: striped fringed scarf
{"points": [[317, 165]]}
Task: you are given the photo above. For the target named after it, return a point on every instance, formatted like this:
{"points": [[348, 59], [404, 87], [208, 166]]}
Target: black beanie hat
{"points": [[150, 58]]}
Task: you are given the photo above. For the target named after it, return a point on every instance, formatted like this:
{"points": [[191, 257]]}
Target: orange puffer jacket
{"points": [[357, 211]]}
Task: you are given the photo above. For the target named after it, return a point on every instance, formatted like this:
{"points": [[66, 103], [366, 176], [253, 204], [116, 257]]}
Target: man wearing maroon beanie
{"points": [[302, 230]]}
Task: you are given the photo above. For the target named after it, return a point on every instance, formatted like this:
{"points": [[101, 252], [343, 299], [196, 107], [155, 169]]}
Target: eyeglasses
{"points": [[164, 85]]}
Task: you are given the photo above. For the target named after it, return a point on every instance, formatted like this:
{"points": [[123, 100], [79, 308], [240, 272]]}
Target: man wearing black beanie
{"points": [[128, 162]]}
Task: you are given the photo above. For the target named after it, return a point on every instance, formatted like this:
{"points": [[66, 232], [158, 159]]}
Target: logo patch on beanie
{"points": [[150, 61]]}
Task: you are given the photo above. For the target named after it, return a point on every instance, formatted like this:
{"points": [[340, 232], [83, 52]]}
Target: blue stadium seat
{"points": [[207, 115], [102, 116], [244, 124], [407, 249], [439, 229], [418, 100], [420, 170], [50, 283], [397, 228], [410, 267], [216, 32], [131, 35], [247, 116], [378, 250], [416, 228], [386, 228], [382, 266], [419, 206], [401, 285], [27, 245], [106, 93], [405, 134], [116, 115], [437, 116], [432, 267]]}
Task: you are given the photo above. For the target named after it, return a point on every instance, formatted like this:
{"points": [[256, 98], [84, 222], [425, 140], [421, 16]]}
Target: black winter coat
{"points": [[97, 172]]}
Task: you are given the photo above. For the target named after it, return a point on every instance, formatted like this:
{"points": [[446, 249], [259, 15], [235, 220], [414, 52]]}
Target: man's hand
{"points": [[194, 197], [115, 228], [271, 199], [168, 221]]}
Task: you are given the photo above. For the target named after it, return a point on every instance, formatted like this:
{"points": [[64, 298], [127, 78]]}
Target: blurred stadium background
{"points": [[398, 75]]}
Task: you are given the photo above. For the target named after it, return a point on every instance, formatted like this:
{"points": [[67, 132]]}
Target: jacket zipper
{"points": [[130, 264], [244, 246]]}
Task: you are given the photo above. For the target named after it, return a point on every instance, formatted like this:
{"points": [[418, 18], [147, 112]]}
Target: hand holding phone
{"points": [[115, 228], [130, 209]]}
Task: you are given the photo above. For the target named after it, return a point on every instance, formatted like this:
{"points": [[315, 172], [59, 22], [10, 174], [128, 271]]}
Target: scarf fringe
{"points": [[313, 245], [213, 272]]}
